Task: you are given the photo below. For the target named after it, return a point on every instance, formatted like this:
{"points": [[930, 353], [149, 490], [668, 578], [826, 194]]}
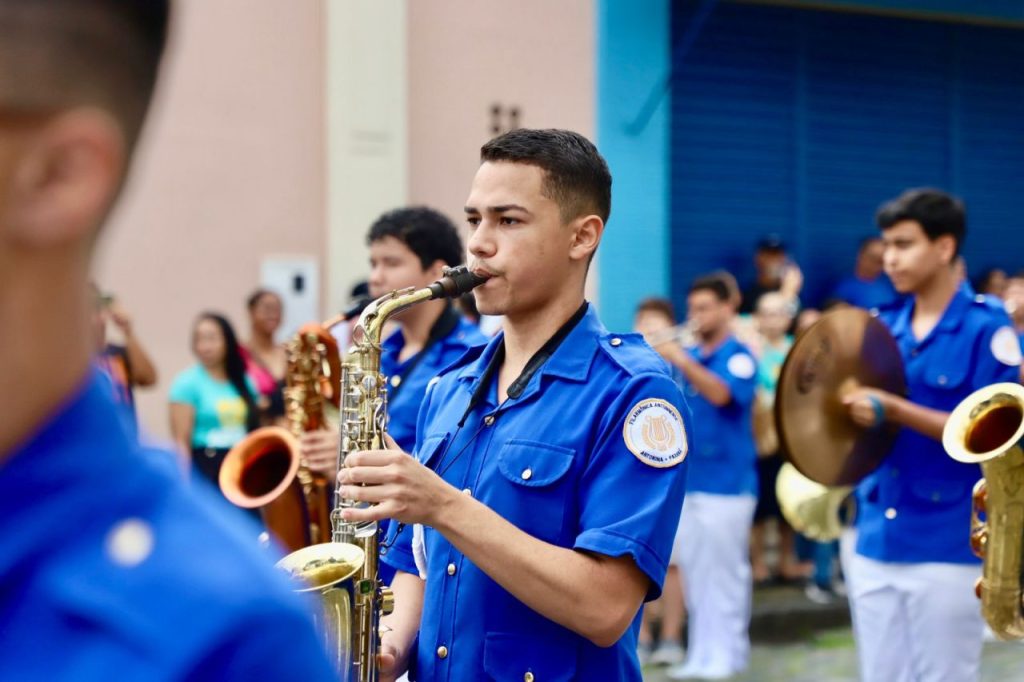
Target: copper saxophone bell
{"points": [[986, 428], [264, 470]]}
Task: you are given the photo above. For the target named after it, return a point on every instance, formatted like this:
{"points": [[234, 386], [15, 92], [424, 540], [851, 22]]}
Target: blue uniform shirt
{"points": [[866, 294], [591, 457], [724, 454], [916, 506], [415, 373], [110, 568]]}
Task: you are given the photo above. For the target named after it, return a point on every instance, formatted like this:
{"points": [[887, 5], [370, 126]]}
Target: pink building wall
{"points": [[232, 168], [231, 171], [466, 55]]}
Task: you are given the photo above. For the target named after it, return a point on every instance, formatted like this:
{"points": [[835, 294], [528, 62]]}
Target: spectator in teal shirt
{"points": [[212, 403]]}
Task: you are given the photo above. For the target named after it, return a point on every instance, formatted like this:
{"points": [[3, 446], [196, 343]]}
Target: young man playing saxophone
{"points": [[550, 462]]}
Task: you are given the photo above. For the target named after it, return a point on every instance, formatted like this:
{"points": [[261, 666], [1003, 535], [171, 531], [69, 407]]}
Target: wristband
{"points": [[879, 410]]}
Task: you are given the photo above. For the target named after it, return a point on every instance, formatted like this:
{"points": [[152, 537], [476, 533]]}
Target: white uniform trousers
{"points": [[713, 552], [915, 622]]}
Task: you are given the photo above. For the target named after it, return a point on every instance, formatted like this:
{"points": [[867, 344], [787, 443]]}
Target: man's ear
{"points": [[65, 179], [946, 244], [436, 268], [586, 236]]}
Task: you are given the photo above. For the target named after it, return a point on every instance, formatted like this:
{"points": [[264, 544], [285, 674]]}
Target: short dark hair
{"points": [[576, 176], [254, 298], [427, 233], [937, 212], [657, 304], [867, 241], [60, 54], [713, 283]]}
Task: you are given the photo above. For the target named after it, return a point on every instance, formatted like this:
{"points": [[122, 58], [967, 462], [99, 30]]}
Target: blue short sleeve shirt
{"points": [[415, 373], [111, 568], [724, 454], [591, 456], [916, 506]]}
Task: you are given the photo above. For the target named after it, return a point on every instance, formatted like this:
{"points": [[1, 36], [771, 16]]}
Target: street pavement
{"points": [[829, 656]]}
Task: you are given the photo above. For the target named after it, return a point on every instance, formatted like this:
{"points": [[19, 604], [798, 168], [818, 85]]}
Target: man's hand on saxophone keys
{"points": [[396, 485]]}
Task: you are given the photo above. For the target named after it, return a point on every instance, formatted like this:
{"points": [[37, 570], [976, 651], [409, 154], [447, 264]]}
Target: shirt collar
{"points": [[395, 341], [725, 346], [952, 316], [571, 360]]}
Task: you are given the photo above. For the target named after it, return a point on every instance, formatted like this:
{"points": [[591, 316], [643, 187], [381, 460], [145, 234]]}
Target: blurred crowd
{"points": [[235, 385]]}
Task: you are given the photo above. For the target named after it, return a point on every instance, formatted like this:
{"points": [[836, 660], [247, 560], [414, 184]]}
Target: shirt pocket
{"points": [[939, 492], [510, 657], [533, 490], [429, 453]]}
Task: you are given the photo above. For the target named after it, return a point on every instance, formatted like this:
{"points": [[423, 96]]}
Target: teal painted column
{"points": [[632, 134]]}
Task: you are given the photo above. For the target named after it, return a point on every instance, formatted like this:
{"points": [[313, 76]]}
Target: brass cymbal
{"points": [[845, 350]]}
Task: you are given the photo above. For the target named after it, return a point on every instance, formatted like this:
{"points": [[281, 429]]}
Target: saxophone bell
{"points": [[987, 428], [264, 470]]}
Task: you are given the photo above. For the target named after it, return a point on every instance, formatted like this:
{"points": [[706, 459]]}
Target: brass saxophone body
{"points": [[987, 428], [344, 571], [264, 470]]}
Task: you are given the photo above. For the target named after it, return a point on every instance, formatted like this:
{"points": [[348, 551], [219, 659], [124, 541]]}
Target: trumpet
{"points": [[987, 428]]}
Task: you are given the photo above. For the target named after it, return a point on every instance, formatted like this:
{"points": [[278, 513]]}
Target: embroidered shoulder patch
{"points": [[1006, 346], [654, 433], [741, 366]]}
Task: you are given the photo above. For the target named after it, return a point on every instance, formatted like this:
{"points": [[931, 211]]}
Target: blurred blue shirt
{"points": [[724, 454], [866, 294], [413, 374], [111, 569]]}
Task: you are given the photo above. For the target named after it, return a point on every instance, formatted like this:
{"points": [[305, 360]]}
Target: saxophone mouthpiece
{"points": [[456, 282]]}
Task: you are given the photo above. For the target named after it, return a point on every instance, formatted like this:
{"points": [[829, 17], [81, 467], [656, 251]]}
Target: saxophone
{"points": [[264, 470], [344, 571], [987, 428]]}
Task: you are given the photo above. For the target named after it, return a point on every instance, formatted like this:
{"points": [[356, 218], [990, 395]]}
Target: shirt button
{"points": [[489, 419], [395, 380], [451, 569], [527, 474], [468, 491], [942, 380], [528, 677], [890, 513], [615, 342], [442, 651]]}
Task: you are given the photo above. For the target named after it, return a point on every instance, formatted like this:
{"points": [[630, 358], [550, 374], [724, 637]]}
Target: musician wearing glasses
{"points": [[110, 566], [912, 577], [550, 462]]}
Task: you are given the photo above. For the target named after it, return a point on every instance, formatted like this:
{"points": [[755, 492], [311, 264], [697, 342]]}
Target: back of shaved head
{"points": [[61, 54]]}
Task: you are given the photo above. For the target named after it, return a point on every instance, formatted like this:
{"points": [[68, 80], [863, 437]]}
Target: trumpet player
{"points": [[714, 528], [912, 576], [105, 556], [550, 462]]}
